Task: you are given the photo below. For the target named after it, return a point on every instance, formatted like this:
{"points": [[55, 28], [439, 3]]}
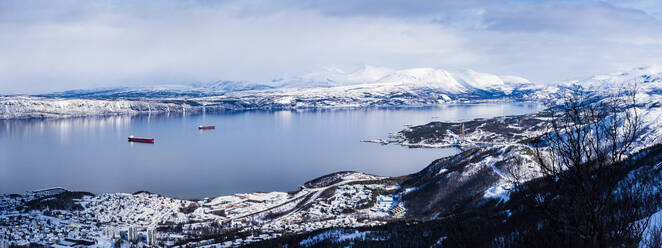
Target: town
{"points": [[58, 217]]}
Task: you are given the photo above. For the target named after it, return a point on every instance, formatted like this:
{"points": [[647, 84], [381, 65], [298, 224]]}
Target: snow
{"points": [[655, 222], [285, 100], [500, 191]]}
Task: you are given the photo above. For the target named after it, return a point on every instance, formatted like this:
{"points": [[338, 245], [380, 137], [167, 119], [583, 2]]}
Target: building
{"points": [[397, 211], [150, 237], [133, 234]]}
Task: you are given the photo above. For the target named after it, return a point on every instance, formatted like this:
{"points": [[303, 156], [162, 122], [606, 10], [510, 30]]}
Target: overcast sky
{"points": [[57, 45]]}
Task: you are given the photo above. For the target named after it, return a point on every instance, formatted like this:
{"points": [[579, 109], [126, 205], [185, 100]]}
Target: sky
{"points": [[50, 46]]}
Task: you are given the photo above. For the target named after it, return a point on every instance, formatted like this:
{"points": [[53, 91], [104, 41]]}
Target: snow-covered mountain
{"points": [[460, 82], [367, 87], [644, 76], [333, 88], [331, 77], [451, 82], [648, 82], [216, 88]]}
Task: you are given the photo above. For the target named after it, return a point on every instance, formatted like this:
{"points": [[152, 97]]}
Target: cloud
{"points": [[47, 45]]}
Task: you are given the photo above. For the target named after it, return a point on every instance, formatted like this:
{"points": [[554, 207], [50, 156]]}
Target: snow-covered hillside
{"points": [[474, 175]]}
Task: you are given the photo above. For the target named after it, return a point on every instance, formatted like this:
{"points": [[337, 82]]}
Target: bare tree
{"points": [[580, 160]]}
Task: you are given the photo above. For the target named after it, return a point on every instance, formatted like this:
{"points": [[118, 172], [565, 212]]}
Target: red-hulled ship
{"points": [[206, 127], [141, 140]]}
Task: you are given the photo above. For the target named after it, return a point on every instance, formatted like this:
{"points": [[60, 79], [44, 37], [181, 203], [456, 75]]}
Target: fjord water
{"points": [[247, 152]]}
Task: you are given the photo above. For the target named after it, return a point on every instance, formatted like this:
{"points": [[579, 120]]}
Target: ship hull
{"points": [[141, 140]]}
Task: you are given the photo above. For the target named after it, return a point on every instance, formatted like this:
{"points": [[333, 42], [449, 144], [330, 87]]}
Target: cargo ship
{"points": [[141, 140], [206, 127]]}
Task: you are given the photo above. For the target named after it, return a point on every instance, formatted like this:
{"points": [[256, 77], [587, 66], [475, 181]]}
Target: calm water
{"points": [[248, 151]]}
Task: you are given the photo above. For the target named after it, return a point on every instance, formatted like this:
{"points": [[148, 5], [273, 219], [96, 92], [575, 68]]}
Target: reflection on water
{"points": [[248, 151]]}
